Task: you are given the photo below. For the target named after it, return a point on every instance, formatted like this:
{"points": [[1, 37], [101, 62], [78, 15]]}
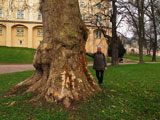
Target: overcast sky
{"points": [[124, 28]]}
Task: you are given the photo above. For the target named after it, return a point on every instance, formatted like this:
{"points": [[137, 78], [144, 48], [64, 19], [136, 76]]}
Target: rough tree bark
{"points": [[114, 41], [60, 60]]}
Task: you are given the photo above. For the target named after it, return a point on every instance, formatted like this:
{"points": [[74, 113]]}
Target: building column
{"points": [[8, 35], [30, 37], [91, 41]]}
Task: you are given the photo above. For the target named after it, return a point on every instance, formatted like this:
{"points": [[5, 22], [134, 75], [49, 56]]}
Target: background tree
{"points": [[107, 12], [135, 16], [115, 41], [141, 16], [151, 13], [148, 44], [60, 60]]}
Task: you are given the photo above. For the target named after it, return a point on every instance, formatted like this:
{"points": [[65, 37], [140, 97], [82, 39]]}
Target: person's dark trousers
{"points": [[99, 74]]}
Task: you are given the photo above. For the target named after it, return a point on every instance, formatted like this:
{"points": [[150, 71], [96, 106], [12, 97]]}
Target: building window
{"points": [[83, 17], [20, 42], [98, 19], [39, 15], [98, 6], [20, 14], [82, 4], [0, 30], [98, 34], [20, 31], [39, 31], [1, 13]]}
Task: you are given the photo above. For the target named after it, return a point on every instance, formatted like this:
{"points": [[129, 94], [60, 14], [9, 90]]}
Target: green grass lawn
{"points": [[17, 55], [89, 59], [129, 92], [14, 55], [136, 57]]}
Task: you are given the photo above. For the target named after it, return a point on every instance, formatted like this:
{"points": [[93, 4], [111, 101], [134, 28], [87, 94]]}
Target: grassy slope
{"points": [[129, 92], [15, 55], [146, 58]]}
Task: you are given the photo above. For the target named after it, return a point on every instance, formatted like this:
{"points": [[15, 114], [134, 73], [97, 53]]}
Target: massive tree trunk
{"points": [[114, 41], [60, 60]]}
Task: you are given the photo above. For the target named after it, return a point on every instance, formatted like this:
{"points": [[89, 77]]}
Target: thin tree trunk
{"points": [[114, 41], [147, 51], [141, 29], [60, 60], [155, 32], [150, 47]]}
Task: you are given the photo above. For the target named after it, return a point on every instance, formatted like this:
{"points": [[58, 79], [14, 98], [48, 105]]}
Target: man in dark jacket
{"points": [[99, 63]]}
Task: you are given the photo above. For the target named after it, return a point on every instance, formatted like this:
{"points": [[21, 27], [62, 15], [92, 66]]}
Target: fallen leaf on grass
{"points": [[126, 101], [122, 111], [30, 118], [113, 91], [113, 106], [118, 84], [12, 103]]}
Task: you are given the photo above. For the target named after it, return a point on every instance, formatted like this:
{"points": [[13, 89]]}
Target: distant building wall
{"points": [[2, 35]]}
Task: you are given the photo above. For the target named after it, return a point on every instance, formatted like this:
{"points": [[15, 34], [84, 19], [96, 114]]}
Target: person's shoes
{"points": [[100, 84]]}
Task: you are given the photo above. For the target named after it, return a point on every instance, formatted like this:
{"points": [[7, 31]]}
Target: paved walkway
{"points": [[19, 67], [108, 64], [15, 68]]}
